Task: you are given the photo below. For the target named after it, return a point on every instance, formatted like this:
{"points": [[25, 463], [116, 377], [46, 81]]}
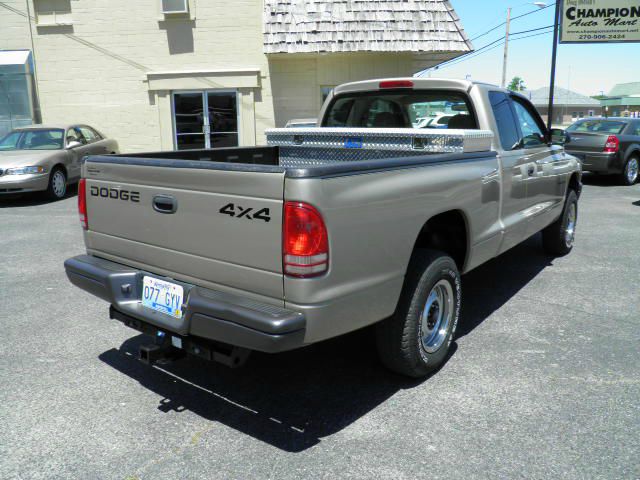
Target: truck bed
{"points": [[369, 206]]}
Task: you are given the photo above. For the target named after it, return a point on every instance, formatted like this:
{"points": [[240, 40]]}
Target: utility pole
{"points": [[552, 82], [506, 49]]}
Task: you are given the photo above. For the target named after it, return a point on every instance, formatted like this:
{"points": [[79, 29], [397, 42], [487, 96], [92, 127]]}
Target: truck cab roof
{"points": [[417, 83]]}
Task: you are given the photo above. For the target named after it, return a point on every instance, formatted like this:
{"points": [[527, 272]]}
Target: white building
{"points": [[145, 76]]}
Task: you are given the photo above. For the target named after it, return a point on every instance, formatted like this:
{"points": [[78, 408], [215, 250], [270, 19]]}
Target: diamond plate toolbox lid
{"points": [[301, 147]]}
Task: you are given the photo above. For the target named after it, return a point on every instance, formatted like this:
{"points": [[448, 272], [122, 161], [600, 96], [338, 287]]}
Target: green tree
{"points": [[517, 85]]}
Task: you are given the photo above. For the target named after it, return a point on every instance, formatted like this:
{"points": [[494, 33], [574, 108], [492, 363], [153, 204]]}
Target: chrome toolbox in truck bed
{"points": [[300, 147]]}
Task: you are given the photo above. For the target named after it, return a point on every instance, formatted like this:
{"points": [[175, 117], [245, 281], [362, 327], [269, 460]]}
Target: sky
{"points": [[586, 68]]}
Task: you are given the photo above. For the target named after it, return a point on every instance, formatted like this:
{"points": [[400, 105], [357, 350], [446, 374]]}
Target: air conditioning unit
{"points": [[175, 6]]}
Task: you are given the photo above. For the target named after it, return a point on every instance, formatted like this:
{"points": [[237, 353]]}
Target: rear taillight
{"points": [[612, 145], [82, 203], [396, 84], [305, 241]]}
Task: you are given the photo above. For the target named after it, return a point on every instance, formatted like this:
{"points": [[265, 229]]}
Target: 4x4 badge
{"points": [[237, 211]]}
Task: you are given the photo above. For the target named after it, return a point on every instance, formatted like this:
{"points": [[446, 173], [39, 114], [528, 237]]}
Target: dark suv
{"points": [[607, 145]]}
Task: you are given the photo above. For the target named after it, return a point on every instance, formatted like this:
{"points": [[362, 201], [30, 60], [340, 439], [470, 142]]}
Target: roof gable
{"points": [[314, 26]]}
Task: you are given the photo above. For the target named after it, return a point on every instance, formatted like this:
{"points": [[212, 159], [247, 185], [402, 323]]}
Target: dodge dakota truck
{"points": [[361, 221]]}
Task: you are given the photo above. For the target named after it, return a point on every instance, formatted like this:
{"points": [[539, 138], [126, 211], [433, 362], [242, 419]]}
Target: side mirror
{"points": [[558, 136], [73, 144]]}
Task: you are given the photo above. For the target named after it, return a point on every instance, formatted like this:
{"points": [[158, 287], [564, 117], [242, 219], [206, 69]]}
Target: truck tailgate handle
{"points": [[165, 204]]}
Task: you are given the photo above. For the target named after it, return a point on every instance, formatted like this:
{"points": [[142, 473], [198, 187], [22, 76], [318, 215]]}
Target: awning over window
{"points": [[14, 57]]}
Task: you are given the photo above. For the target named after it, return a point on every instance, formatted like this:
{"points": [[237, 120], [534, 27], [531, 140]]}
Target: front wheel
{"points": [[630, 172], [416, 339], [57, 184], [558, 237]]}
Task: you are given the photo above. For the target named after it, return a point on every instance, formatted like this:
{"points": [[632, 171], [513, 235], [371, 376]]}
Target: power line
{"points": [[514, 18], [466, 55], [485, 49], [534, 35], [534, 11], [487, 32], [470, 55], [475, 54], [532, 30]]}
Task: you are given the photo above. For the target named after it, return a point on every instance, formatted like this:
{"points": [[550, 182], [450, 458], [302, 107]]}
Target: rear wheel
{"points": [[558, 237], [630, 172], [57, 184], [416, 339]]}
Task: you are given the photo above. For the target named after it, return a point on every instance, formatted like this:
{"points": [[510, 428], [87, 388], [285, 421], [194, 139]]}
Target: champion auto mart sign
{"points": [[600, 21]]}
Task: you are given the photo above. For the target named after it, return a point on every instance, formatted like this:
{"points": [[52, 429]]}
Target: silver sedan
{"points": [[48, 158]]}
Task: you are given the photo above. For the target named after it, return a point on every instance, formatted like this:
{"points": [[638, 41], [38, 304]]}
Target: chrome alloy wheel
{"points": [[59, 184], [570, 229], [436, 316], [632, 170]]}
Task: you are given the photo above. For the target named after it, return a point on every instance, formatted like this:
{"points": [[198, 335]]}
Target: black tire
{"points": [[627, 177], [557, 240], [400, 338], [57, 188]]}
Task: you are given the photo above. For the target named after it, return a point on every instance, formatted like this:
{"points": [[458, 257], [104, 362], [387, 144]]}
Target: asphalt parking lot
{"points": [[543, 382]]}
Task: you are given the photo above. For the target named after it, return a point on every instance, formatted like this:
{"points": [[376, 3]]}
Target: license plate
{"points": [[165, 297]]}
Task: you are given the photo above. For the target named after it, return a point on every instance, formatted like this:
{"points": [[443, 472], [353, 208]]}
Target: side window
{"points": [[532, 133], [636, 129], [505, 120], [88, 134], [75, 135]]}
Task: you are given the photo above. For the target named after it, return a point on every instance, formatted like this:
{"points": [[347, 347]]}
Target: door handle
{"points": [[165, 204]]}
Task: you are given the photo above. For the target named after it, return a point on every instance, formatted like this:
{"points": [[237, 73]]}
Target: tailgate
{"points": [[217, 228]]}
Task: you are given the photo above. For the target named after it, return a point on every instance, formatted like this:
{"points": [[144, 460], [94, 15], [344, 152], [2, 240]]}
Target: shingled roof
{"points": [[561, 96], [315, 26], [631, 89]]}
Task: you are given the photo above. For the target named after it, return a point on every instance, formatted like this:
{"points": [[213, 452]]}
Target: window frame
{"points": [[49, 17], [175, 12], [514, 117]]}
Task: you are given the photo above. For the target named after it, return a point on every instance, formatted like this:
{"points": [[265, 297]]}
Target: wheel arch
{"points": [[60, 166], [575, 183], [633, 150], [447, 231]]}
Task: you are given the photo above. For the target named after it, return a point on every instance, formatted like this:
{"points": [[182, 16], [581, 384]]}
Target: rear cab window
{"points": [[419, 109]]}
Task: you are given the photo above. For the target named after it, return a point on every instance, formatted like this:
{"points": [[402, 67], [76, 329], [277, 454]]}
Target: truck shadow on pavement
{"points": [[291, 400], [294, 399], [488, 287], [597, 180]]}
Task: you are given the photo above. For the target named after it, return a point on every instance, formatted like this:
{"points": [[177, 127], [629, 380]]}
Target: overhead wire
{"points": [[512, 19], [485, 49], [470, 55]]}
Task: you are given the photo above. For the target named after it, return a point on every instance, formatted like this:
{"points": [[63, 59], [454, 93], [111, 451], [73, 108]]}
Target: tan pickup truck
{"points": [[365, 220]]}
